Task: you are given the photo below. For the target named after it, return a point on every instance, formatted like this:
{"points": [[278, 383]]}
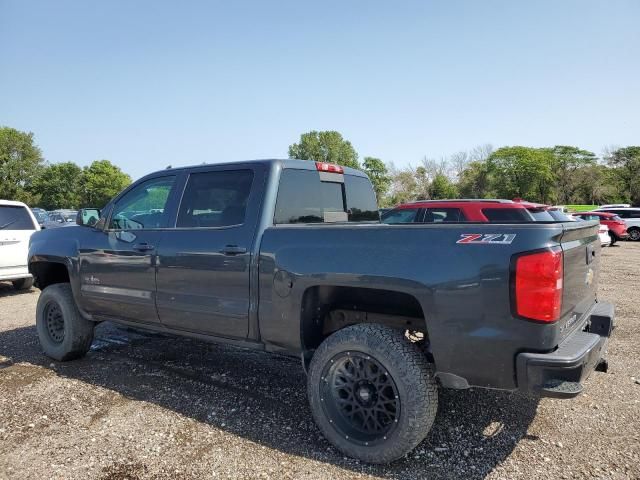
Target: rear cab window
{"points": [[308, 196], [15, 217]]}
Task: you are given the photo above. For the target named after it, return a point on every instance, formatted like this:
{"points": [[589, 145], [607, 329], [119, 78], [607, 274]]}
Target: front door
{"points": [[204, 263], [118, 264]]}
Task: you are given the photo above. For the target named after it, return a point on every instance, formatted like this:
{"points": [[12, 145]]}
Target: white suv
{"points": [[17, 224], [631, 217]]}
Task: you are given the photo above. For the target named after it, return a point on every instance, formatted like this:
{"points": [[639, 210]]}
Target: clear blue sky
{"points": [[150, 83]]}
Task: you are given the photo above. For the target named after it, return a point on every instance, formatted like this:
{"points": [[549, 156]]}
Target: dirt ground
{"points": [[143, 406]]}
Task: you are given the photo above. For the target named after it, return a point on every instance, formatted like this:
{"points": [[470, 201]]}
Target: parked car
{"points": [[630, 216], [17, 224], [617, 227], [288, 256], [616, 205], [60, 218], [474, 210], [41, 215]]}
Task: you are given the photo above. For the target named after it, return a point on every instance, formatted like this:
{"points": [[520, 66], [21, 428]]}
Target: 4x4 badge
{"points": [[487, 238]]}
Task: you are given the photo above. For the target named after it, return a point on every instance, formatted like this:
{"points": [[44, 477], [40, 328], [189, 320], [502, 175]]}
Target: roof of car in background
{"points": [[501, 203]]}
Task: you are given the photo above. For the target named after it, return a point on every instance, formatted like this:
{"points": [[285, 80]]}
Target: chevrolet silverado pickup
{"points": [[289, 256]]}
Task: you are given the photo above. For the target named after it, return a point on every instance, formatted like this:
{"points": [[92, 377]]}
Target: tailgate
{"points": [[581, 246]]}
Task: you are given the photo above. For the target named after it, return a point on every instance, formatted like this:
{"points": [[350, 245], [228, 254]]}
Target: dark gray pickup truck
{"points": [[289, 256]]}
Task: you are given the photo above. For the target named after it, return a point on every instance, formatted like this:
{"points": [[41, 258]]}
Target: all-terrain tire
{"points": [[23, 283], [64, 334], [391, 356]]}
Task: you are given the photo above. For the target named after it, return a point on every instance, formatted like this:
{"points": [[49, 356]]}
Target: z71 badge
{"points": [[487, 238]]}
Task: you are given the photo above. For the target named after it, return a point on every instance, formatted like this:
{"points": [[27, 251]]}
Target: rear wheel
{"points": [[634, 234], [372, 392], [23, 283], [64, 334]]}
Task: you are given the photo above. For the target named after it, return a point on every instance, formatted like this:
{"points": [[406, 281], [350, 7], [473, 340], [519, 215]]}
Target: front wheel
{"points": [[634, 234], [372, 392], [64, 334]]}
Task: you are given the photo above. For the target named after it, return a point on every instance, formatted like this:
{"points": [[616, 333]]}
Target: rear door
{"points": [[16, 227], [203, 274]]}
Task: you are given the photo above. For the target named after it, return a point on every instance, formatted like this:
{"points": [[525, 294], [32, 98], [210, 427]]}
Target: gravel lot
{"points": [[149, 406]]}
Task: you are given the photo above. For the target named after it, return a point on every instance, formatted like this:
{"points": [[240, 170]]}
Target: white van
{"points": [[17, 224]]}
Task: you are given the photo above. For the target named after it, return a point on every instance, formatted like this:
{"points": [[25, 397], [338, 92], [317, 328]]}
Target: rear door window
{"points": [[507, 215], [443, 215], [215, 199], [402, 215], [15, 217]]}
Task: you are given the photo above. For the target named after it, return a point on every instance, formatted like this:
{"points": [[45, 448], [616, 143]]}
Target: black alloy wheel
{"points": [[360, 397]]}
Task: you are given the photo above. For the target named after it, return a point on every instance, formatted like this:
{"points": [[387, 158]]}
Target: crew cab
{"points": [[289, 256], [17, 224]]}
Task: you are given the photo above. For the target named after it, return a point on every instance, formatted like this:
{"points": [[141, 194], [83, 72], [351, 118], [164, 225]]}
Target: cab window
{"points": [[215, 199], [143, 206]]}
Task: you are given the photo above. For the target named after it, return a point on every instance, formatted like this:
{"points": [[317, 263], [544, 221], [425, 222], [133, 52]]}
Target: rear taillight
{"points": [[329, 167], [538, 285]]}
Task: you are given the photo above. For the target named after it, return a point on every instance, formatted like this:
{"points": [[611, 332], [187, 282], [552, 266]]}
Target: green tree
{"points": [[59, 186], [379, 176], [327, 146], [566, 162], [626, 162], [522, 172], [20, 163], [100, 182], [476, 181], [442, 187]]}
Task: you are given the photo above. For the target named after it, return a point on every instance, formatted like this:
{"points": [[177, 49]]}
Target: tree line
{"points": [[554, 175], [25, 176], [559, 175]]}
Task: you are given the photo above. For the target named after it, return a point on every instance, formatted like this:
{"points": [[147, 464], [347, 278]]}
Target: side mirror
{"points": [[88, 216]]}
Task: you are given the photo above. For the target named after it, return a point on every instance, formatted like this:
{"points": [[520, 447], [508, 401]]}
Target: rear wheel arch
{"points": [[327, 309]]}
